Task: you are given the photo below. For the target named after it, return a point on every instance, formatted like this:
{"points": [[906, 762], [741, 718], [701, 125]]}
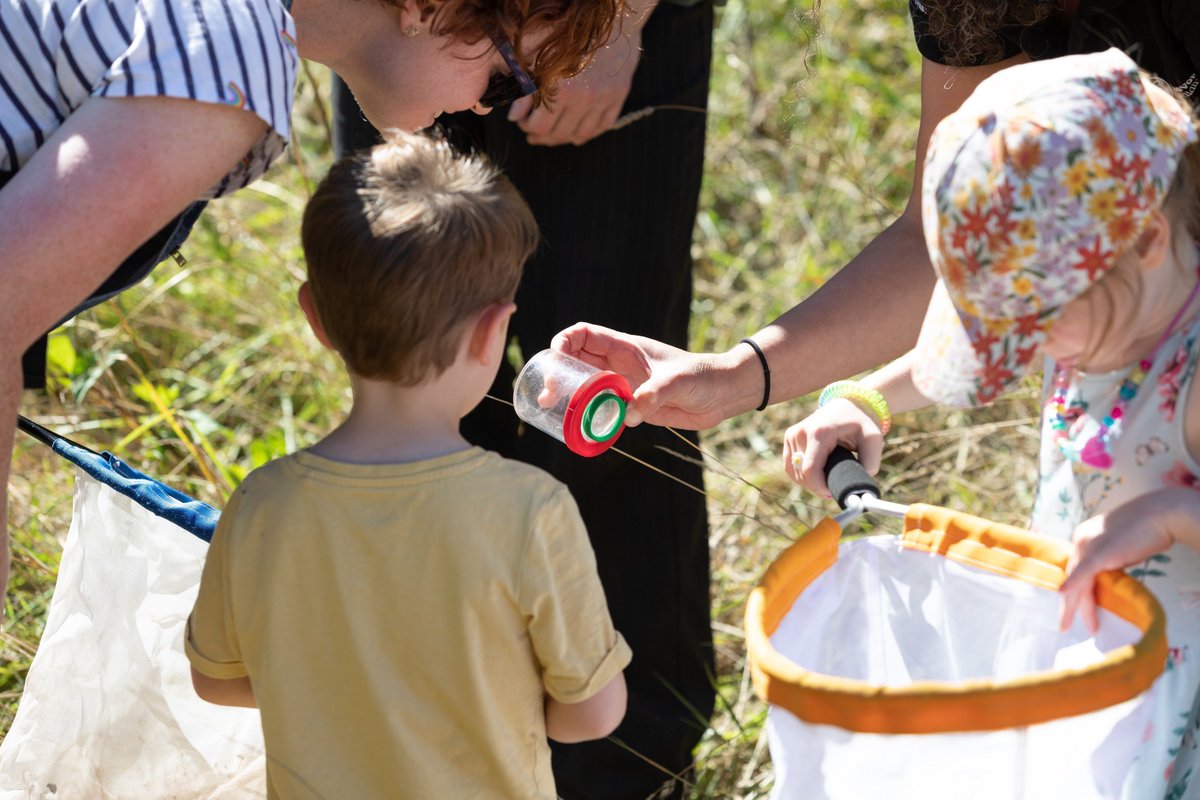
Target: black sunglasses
{"points": [[503, 89]]}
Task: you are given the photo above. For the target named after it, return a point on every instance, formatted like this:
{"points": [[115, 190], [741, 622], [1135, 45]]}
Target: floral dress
{"points": [[1149, 454]]}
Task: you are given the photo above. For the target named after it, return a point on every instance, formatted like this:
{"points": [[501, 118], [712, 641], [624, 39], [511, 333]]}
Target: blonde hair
{"points": [[1181, 207], [404, 243]]}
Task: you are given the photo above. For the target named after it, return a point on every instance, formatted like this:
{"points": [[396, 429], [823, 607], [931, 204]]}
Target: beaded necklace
{"points": [[1096, 452]]}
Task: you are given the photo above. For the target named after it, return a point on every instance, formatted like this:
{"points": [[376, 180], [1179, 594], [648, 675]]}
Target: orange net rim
{"points": [[965, 706]]}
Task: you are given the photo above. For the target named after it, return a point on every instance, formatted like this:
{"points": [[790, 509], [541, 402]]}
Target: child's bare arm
{"points": [[1127, 535], [808, 443], [594, 718], [224, 692]]}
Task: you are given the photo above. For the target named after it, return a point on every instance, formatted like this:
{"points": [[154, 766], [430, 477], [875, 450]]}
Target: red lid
{"points": [[572, 418]]}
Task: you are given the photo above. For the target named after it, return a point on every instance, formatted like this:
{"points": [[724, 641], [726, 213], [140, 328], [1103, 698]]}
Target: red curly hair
{"points": [[577, 29]]}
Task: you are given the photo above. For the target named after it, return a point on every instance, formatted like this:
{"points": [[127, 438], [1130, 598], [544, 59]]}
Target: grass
{"points": [[207, 370]]}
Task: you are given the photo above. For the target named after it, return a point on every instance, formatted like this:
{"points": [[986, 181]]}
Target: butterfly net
{"points": [[931, 665], [108, 710]]}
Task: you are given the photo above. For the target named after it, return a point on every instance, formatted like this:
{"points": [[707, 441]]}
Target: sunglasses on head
{"points": [[504, 88]]}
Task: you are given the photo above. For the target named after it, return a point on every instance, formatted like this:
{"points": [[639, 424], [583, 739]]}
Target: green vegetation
{"points": [[208, 370]]}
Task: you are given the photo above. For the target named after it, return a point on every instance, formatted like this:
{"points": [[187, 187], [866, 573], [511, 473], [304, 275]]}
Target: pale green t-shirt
{"points": [[401, 624]]}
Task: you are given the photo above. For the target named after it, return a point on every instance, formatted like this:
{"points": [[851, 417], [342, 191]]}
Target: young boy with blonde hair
{"points": [[412, 615]]}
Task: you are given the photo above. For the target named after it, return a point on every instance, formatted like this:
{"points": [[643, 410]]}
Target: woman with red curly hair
{"points": [[119, 118], [615, 209]]}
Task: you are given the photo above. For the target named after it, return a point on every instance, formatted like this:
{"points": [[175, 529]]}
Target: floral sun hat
{"points": [[1032, 190]]}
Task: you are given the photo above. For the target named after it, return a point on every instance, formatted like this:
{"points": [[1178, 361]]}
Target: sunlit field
{"points": [[207, 370]]}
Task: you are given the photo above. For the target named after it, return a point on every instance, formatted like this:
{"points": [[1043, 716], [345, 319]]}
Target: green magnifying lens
{"points": [[603, 416]]}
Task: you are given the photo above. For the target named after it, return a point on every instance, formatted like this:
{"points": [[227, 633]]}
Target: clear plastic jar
{"points": [[574, 402]]}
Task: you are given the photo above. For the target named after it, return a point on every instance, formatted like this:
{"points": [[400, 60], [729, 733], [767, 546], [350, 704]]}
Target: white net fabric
{"points": [[108, 709], [893, 616]]}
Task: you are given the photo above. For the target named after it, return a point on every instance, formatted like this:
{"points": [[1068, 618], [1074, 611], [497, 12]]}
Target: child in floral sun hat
{"points": [[1061, 206]]}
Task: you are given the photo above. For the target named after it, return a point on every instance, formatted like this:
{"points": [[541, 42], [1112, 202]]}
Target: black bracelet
{"points": [[766, 372]]}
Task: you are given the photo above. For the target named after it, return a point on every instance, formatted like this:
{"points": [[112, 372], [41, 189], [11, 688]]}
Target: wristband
{"points": [[864, 397], [762, 359]]}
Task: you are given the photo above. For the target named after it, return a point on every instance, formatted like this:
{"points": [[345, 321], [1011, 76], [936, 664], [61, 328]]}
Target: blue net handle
{"points": [[195, 517]]}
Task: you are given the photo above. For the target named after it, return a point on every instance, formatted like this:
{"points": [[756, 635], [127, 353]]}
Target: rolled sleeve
{"points": [[613, 663], [205, 665], [569, 623], [211, 642]]}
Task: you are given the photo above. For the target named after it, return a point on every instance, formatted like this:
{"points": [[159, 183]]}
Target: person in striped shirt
{"points": [[117, 116]]}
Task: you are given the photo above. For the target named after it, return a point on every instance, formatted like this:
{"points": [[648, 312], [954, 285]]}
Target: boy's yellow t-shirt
{"points": [[401, 624]]}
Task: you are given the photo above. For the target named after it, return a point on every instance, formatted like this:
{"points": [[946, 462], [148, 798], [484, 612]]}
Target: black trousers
{"points": [[616, 217]]}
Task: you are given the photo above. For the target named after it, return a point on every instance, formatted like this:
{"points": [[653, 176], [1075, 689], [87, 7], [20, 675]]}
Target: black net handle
{"points": [[44, 434], [845, 476]]}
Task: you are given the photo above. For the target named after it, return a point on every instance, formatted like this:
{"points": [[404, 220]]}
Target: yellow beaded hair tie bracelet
{"points": [[864, 397]]}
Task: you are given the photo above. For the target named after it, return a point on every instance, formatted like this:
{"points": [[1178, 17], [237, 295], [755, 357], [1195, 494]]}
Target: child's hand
{"points": [[808, 443], [1127, 535]]}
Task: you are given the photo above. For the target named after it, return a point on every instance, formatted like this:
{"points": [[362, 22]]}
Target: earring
{"points": [[412, 30]]}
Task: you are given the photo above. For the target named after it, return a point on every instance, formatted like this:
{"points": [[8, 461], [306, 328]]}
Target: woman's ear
{"points": [[411, 23], [310, 313], [1154, 241], [490, 332]]}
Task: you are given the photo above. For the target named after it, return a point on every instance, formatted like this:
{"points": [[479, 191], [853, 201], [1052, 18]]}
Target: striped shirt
{"points": [[55, 54]]}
